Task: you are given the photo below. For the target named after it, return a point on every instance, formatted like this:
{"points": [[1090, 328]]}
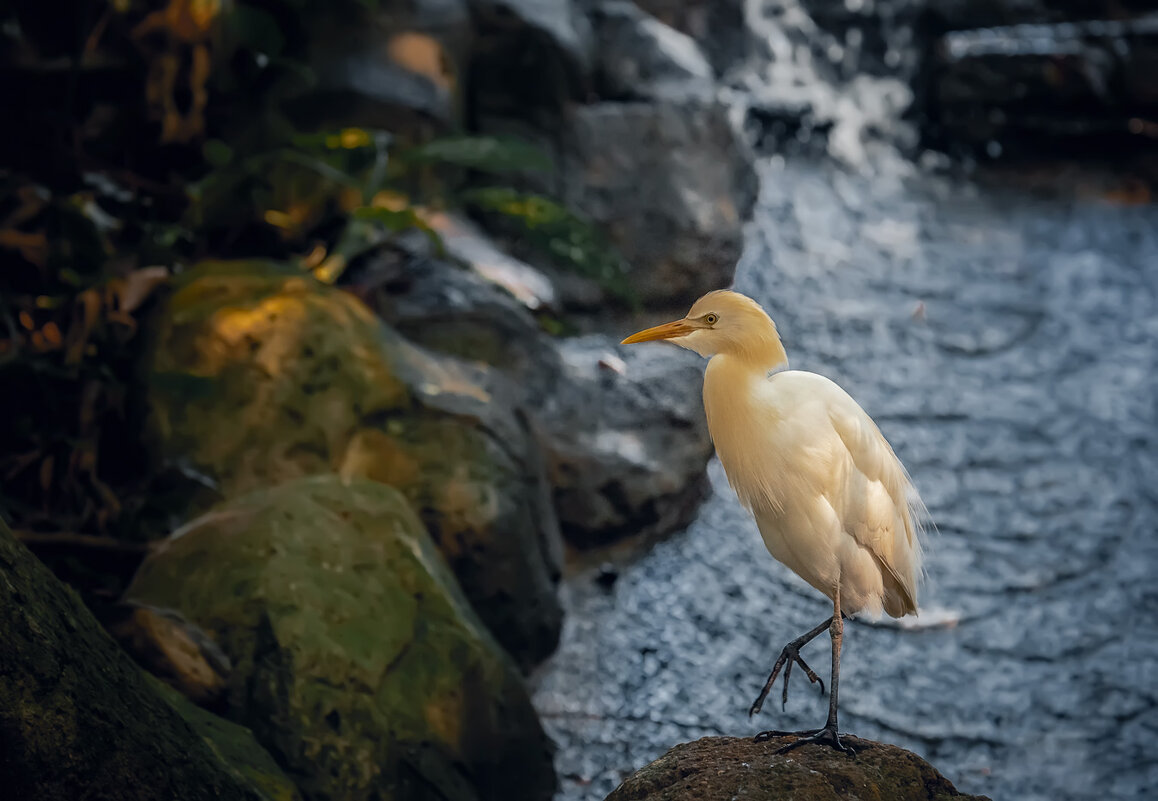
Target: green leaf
{"points": [[551, 228], [484, 153]]}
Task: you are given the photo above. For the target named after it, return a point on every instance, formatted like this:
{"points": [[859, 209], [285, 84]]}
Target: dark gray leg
{"points": [[828, 735]]}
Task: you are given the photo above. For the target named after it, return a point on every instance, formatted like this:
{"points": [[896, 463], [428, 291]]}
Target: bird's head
{"points": [[722, 323]]}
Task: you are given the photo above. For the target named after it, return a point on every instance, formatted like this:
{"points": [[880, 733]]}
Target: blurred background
{"points": [[309, 383]]}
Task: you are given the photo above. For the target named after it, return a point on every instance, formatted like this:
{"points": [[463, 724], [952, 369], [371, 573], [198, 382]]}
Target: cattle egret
{"points": [[830, 498]]}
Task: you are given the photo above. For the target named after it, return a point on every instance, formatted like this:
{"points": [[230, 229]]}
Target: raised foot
{"points": [[826, 736], [788, 656]]}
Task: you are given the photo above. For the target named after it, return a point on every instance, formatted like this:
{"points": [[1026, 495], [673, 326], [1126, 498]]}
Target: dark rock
{"points": [[671, 182], [622, 429], [743, 770], [531, 58], [357, 660], [626, 440], [718, 26], [260, 375], [1018, 86], [79, 720], [948, 15], [400, 67], [641, 58]]}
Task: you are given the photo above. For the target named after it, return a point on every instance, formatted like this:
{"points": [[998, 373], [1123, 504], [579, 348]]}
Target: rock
{"points": [[79, 720], [167, 645], [531, 58], [671, 182], [357, 660], [626, 440], [641, 58], [743, 770], [465, 242], [259, 375], [1016, 87], [947, 15], [624, 459], [236, 746], [719, 26], [400, 67]]}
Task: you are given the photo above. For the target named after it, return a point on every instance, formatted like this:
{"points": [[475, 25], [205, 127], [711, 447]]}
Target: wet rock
{"points": [[671, 182], [531, 58], [946, 15], [624, 457], [626, 440], [640, 57], [259, 375], [357, 660], [718, 26], [740, 769], [400, 67], [1024, 84], [79, 720]]}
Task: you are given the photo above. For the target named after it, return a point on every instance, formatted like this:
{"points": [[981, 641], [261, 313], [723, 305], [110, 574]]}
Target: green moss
{"points": [[77, 718], [357, 660]]}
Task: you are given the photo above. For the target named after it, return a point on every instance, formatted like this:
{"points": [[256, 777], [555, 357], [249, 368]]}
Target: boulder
{"points": [[356, 659], [672, 183], [531, 58], [740, 769], [641, 58], [79, 720], [1024, 85], [623, 458], [719, 26], [260, 375], [626, 439], [397, 65]]}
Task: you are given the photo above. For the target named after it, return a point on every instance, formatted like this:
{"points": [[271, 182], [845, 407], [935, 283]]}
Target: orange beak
{"points": [[676, 328]]}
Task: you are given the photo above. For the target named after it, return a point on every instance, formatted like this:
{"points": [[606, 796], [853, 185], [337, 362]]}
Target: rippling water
{"points": [[1005, 342]]}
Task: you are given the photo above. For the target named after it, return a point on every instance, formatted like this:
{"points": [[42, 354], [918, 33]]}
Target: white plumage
{"points": [[831, 499]]}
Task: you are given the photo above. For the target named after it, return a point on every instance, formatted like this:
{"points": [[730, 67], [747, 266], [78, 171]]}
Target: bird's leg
{"points": [[790, 654], [828, 735]]}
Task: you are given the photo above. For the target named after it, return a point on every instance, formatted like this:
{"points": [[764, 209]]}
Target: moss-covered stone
{"points": [[739, 769], [356, 659], [235, 746], [79, 720], [260, 375]]}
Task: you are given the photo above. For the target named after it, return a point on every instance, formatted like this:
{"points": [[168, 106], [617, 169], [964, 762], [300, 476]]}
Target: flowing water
{"points": [[1005, 342]]}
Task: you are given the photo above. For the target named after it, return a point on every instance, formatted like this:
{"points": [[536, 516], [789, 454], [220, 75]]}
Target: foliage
{"points": [[169, 139]]}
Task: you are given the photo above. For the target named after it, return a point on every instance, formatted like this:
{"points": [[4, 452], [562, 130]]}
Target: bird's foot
{"points": [[826, 736], [788, 656]]}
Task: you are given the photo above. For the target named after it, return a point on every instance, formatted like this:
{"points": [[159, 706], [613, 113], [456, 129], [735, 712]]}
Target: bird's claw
{"points": [[826, 736], [788, 656]]}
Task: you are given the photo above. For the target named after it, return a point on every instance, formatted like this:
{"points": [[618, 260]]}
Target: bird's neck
{"points": [[759, 354]]}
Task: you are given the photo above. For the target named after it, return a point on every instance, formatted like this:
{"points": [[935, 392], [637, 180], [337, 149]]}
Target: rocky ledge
{"points": [[740, 769]]}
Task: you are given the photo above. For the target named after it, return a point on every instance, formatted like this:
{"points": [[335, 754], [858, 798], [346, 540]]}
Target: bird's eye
{"points": [[711, 319]]}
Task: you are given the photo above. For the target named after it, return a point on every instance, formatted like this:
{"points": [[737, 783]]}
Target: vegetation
{"points": [[159, 133]]}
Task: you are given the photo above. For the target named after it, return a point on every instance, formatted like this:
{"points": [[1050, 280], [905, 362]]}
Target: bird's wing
{"points": [[877, 503]]}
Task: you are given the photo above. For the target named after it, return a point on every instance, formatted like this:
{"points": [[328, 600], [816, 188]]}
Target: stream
{"points": [[1004, 341]]}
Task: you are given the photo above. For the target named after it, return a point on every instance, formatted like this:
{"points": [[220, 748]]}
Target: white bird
{"points": [[830, 498]]}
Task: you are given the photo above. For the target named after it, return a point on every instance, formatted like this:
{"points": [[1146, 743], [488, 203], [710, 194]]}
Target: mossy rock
{"points": [[260, 374], [79, 720], [742, 770], [356, 659]]}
